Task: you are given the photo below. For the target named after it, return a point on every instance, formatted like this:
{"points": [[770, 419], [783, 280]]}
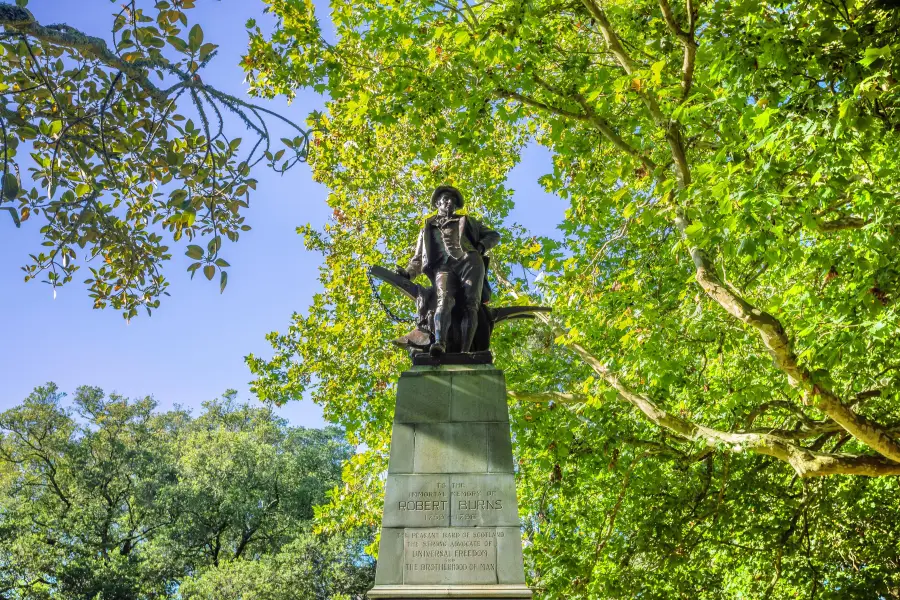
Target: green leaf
{"points": [[205, 50], [178, 196], [656, 68], [10, 186], [223, 281], [194, 251], [693, 229], [209, 271], [177, 43], [873, 54], [761, 121], [14, 214], [195, 38]]}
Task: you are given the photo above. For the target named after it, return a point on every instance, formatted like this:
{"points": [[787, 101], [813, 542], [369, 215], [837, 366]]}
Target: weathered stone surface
{"points": [[483, 500], [478, 397], [509, 556], [416, 501], [423, 399], [390, 572], [500, 459], [469, 592], [403, 448], [450, 448]]}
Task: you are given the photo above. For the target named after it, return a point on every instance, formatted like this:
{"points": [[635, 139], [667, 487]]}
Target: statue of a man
{"points": [[450, 251]]}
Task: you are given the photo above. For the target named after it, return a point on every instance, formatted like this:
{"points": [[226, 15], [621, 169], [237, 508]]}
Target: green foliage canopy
{"points": [[128, 147], [723, 350], [116, 501]]}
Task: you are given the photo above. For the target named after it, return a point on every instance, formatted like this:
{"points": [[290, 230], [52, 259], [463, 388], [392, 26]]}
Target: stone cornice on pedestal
{"points": [[471, 592]]}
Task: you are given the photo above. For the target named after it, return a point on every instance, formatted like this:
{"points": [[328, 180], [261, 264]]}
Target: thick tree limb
{"points": [[770, 329], [609, 35], [540, 105], [22, 21], [671, 128], [686, 38], [809, 428], [840, 224], [606, 130], [778, 344], [807, 463]]}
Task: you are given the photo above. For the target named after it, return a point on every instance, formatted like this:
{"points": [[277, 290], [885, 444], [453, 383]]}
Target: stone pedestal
{"points": [[450, 527]]}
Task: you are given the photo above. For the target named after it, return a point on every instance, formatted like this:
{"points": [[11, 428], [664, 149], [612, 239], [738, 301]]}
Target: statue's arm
{"points": [[488, 238], [415, 266]]}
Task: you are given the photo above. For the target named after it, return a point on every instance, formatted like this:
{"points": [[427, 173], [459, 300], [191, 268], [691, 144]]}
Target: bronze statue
{"points": [[453, 315], [450, 251]]}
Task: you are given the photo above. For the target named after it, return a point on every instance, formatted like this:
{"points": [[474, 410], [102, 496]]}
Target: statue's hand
{"points": [[402, 272]]}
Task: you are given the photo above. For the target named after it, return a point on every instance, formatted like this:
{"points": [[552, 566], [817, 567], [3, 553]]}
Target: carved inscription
{"points": [[432, 503], [417, 501], [469, 501], [483, 500], [457, 500], [448, 555]]}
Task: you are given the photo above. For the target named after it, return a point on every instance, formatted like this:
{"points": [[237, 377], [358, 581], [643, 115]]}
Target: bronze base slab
{"points": [[424, 359]]}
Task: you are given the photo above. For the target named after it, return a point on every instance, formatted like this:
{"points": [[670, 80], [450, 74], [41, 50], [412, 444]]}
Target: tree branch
{"points": [[840, 224], [546, 397], [22, 21], [784, 405], [687, 41], [606, 130], [671, 128], [612, 40], [589, 115], [779, 345], [539, 105], [807, 463], [610, 528]]}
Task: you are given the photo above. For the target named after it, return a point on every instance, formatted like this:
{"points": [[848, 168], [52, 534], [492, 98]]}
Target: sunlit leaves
{"points": [[790, 131], [126, 149]]}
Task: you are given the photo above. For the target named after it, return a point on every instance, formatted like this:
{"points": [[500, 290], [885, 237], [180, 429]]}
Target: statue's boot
{"points": [[467, 329], [441, 321]]}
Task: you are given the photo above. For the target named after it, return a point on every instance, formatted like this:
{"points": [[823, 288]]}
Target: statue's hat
{"points": [[457, 195]]}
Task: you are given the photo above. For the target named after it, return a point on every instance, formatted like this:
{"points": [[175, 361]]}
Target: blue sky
{"points": [[193, 347]]}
